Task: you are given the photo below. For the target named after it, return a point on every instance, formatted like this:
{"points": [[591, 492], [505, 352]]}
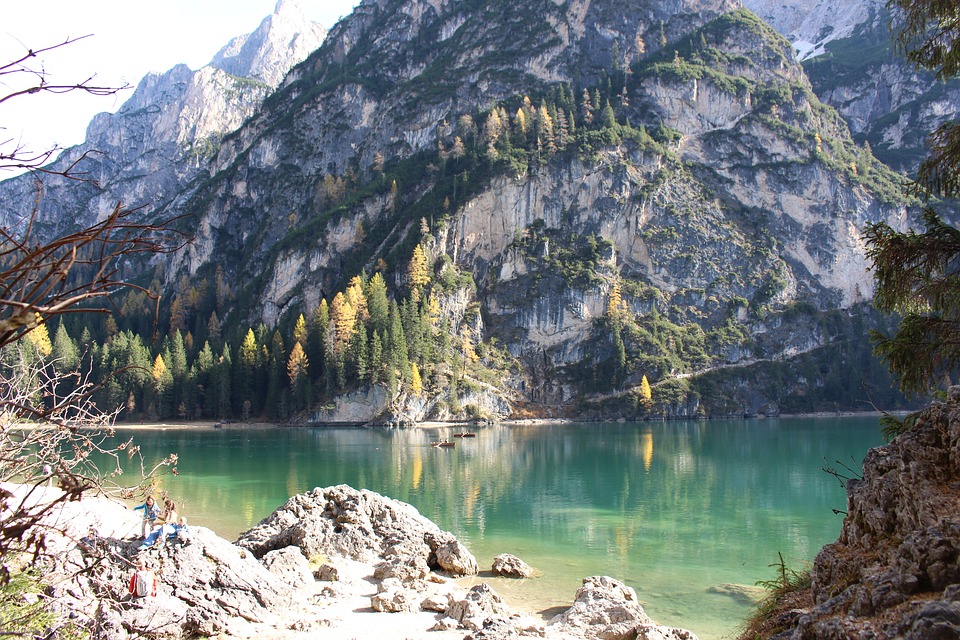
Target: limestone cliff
{"points": [[610, 191], [721, 191]]}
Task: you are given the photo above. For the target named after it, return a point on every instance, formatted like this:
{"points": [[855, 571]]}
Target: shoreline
{"points": [[436, 425]]}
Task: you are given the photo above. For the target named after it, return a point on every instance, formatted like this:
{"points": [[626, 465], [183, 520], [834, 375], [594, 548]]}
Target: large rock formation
{"points": [[358, 524], [894, 572], [209, 587]]}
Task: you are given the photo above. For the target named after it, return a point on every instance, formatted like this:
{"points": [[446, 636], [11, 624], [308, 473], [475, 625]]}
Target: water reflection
{"points": [[671, 508]]}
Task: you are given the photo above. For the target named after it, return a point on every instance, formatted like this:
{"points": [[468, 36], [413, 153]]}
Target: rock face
{"points": [[209, 587], [893, 572], [162, 136], [206, 587], [848, 52], [721, 196], [755, 172], [358, 524]]}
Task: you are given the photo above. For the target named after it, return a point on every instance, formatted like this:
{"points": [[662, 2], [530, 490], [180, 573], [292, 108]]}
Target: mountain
{"points": [[608, 190], [162, 136], [848, 53]]}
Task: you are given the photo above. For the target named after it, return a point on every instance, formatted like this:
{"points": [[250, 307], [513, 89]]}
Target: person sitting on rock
{"points": [[177, 530], [91, 541], [182, 532]]}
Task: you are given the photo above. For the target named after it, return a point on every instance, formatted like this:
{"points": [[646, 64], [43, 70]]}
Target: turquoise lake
{"points": [[673, 509]]}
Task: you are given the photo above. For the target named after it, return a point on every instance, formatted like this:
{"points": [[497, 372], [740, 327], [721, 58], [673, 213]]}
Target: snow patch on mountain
{"points": [[811, 24]]}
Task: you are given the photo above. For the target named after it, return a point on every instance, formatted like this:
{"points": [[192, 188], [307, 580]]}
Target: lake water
{"points": [[673, 509]]}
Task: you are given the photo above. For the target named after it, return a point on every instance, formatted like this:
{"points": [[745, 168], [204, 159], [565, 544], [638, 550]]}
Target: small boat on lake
{"points": [[465, 435], [443, 443]]}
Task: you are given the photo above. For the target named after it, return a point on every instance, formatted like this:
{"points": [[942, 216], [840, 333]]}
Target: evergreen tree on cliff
{"points": [[918, 274]]}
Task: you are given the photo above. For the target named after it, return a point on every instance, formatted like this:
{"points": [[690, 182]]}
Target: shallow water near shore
{"points": [[675, 510]]}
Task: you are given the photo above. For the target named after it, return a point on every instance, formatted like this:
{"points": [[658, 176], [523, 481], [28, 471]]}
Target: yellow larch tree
{"points": [[300, 330], [357, 299], [616, 305], [645, 391], [417, 273], [39, 337], [297, 365], [344, 320], [416, 384]]}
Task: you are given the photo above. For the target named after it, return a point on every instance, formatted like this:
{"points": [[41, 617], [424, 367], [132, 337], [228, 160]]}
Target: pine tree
{"points": [[223, 386], [377, 304], [607, 118], [213, 328], [376, 358], [317, 344], [620, 355], [397, 357], [276, 361], [359, 354], [65, 353], [917, 273]]}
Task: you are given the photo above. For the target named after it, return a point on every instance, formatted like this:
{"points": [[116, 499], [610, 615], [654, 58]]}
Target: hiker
{"points": [[151, 511], [143, 582]]}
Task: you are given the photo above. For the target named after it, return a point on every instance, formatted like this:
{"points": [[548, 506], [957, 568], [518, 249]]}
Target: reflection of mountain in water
{"points": [[673, 508]]}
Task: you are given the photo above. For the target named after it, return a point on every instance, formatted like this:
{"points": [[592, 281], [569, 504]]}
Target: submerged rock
{"points": [[511, 566]]}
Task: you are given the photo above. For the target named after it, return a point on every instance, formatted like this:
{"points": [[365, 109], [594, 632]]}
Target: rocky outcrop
{"points": [[209, 587], [206, 587], [358, 524], [893, 572]]}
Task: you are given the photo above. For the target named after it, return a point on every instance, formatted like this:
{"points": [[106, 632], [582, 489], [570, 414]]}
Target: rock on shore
{"points": [[387, 573]]}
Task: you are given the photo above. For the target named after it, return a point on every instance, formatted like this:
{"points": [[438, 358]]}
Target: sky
{"points": [[128, 39]]}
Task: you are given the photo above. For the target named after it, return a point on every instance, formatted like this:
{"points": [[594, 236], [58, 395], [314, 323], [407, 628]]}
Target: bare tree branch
{"points": [[26, 77]]}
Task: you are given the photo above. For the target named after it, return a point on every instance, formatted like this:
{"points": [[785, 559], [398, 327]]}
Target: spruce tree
{"points": [[917, 274]]}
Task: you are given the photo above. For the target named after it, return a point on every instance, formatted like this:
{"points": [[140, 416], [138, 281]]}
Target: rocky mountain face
{"points": [[849, 55], [164, 134], [709, 186]]}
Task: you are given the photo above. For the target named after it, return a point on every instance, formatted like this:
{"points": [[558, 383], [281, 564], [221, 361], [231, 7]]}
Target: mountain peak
{"points": [[265, 54]]}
